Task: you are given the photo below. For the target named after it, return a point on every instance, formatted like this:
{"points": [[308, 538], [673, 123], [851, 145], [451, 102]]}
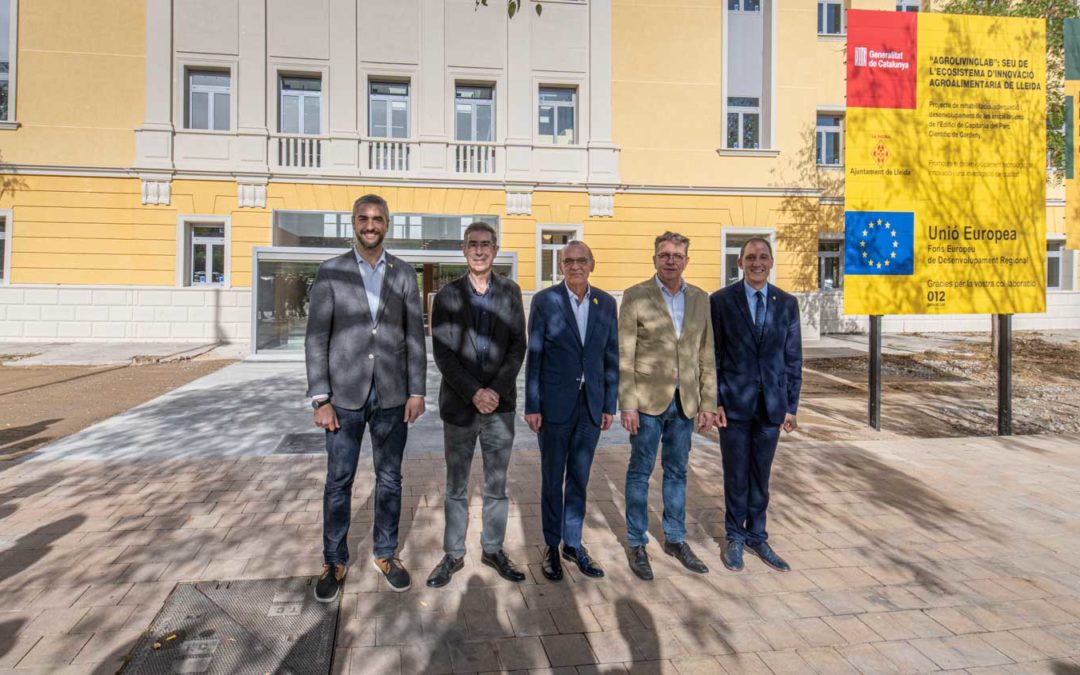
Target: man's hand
{"points": [[789, 424], [704, 420], [326, 418], [721, 418], [605, 421], [534, 420], [414, 408], [485, 400], [629, 420]]}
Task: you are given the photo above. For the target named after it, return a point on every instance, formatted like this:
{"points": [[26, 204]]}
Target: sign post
{"points": [[945, 162]]}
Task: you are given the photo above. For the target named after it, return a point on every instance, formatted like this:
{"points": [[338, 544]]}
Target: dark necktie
{"points": [[759, 313]]}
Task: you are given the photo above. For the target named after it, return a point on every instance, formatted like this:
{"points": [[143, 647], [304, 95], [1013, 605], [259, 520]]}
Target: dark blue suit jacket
{"points": [[557, 358], [746, 365]]}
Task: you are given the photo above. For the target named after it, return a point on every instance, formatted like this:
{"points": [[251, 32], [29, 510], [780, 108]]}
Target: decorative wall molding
{"points": [[251, 194], [601, 203], [156, 190], [519, 202]]}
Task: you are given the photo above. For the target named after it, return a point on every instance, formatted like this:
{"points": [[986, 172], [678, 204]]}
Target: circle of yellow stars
{"points": [[862, 243]]}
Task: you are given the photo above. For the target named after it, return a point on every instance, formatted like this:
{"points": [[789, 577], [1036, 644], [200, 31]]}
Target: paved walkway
{"points": [[909, 556]]}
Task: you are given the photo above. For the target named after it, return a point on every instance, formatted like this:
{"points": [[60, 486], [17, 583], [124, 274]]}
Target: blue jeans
{"points": [[388, 435], [673, 430]]}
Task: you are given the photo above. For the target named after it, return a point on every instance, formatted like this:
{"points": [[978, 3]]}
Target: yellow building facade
{"points": [[176, 169]]}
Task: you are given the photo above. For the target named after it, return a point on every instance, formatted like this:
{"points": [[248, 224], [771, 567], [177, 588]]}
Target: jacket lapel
{"points": [[356, 282], [590, 321], [744, 308], [465, 310], [660, 305], [389, 278], [568, 311]]}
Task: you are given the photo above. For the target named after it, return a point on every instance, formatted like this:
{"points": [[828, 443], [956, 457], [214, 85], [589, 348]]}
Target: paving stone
{"points": [[960, 651], [568, 650]]}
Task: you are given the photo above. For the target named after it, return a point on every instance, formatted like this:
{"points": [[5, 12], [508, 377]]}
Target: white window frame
{"points": [[13, 45], [742, 5], [830, 238], [1060, 256], [189, 89], [552, 249], [742, 232], [301, 95], [909, 5], [184, 248], [551, 140], [5, 244], [823, 18], [741, 111], [389, 98], [474, 104], [820, 131]]}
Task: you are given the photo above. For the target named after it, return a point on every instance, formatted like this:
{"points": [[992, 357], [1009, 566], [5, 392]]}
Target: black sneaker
{"points": [[395, 574], [440, 576], [330, 582]]}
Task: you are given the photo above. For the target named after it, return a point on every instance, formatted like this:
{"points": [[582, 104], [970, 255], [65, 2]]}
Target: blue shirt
{"points": [[373, 280], [580, 309], [483, 305], [751, 298], [676, 304]]}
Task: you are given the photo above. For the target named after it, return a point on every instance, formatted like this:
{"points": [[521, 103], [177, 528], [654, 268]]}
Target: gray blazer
{"points": [[343, 348]]}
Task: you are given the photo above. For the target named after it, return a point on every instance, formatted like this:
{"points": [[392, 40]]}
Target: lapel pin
{"points": [[595, 301]]}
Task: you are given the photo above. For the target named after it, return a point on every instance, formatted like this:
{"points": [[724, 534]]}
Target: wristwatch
{"points": [[319, 403]]}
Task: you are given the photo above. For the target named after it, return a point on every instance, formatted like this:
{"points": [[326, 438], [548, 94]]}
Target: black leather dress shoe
{"points": [[551, 568], [681, 552], [440, 576], [769, 557], [503, 565], [639, 563], [732, 556], [580, 556]]}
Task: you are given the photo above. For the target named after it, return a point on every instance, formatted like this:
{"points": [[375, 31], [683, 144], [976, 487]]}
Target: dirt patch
{"points": [[950, 392], [39, 404]]}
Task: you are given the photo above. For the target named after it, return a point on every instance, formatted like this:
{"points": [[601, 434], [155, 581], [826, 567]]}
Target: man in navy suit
{"points": [[571, 386], [758, 375]]}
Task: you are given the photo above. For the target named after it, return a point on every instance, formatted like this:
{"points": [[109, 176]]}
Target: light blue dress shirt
{"points": [[373, 281], [751, 298], [676, 304], [580, 309]]}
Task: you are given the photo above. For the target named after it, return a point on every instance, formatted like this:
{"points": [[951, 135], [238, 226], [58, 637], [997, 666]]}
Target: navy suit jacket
{"points": [[557, 358], [746, 364]]}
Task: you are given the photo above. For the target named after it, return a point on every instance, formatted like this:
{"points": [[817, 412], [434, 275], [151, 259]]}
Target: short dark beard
{"points": [[360, 242]]}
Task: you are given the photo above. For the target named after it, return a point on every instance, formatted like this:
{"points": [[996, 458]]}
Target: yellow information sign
{"points": [[945, 158]]}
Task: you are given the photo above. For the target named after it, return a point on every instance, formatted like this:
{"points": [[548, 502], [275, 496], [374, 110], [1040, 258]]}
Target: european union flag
{"points": [[879, 242]]}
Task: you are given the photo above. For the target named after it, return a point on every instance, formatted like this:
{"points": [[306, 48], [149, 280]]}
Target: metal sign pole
{"points": [[875, 371], [1004, 359]]}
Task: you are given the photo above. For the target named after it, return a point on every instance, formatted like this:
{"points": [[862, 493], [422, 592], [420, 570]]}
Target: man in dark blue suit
{"points": [[571, 386], [758, 376]]}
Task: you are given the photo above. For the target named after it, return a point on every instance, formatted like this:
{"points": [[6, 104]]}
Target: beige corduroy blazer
{"points": [[651, 356]]}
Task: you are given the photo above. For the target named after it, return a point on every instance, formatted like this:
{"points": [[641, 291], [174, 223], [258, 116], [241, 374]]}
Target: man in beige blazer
{"points": [[667, 387]]}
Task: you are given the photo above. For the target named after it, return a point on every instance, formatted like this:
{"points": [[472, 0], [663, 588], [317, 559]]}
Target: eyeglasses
{"points": [[575, 262], [673, 257], [482, 245]]}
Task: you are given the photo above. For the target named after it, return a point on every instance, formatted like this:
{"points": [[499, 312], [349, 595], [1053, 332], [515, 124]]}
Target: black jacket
{"points": [[454, 345]]}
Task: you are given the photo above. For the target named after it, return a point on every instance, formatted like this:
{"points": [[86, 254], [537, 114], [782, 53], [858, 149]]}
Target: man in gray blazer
{"points": [[366, 365]]}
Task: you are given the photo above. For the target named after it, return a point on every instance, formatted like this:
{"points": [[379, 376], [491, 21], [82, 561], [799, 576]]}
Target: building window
{"points": [[830, 17], [206, 255], [8, 32], [830, 265], [301, 105], [208, 100], [830, 139], [743, 122], [557, 115], [744, 5], [5, 239], [388, 110], [908, 5], [552, 242], [474, 114], [1054, 248]]}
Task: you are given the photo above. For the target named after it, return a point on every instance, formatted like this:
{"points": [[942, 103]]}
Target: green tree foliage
{"points": [[512, 7], [1055, 12]]}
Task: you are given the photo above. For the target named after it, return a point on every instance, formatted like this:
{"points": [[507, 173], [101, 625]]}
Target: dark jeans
{"points": [[388, 435], [496, 434], [748, 448], [566, 456], [673, 430]]}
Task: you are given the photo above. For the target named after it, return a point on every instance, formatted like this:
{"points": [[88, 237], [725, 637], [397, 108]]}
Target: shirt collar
{"points": [[664, 289], [573, 298], [750, 291], [360, 259]]}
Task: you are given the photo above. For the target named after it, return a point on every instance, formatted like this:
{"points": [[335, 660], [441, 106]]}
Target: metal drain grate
{"points": [[309, 443], [260, 626]]}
